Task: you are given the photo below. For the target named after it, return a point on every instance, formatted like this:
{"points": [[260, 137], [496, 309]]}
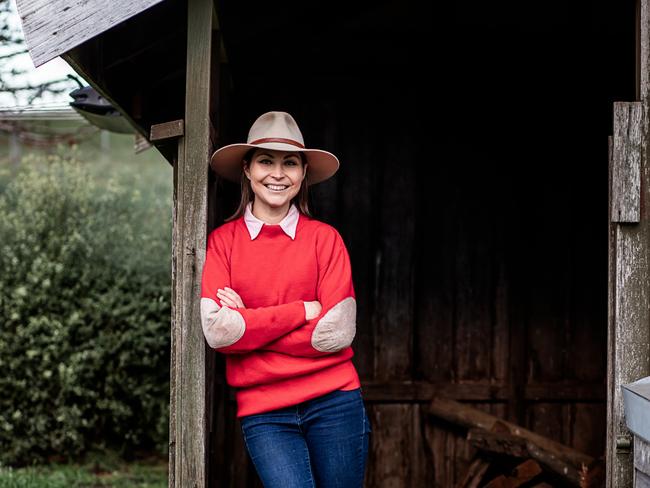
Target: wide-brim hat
{"points": [[278, 131]]}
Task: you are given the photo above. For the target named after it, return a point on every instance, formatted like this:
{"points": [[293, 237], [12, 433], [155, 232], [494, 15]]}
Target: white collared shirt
{"points": [[288, 223]]}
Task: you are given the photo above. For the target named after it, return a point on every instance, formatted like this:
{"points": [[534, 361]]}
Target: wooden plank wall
{"points": [[468, 287]]}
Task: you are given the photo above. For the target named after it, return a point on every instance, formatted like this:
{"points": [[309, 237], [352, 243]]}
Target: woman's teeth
{"points": [[277, 187]]}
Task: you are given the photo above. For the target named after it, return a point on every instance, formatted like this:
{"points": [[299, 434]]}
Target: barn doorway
{"points": [[472, 196]]}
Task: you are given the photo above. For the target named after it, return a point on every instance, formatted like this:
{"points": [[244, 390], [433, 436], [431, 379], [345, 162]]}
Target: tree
{"points": [[13, 78]]}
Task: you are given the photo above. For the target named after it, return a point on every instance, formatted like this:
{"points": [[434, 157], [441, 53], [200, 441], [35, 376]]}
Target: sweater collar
{"points": [[288, 223]]}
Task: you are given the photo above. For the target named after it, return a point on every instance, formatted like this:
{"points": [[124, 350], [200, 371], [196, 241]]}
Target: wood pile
{"points": [[533, 453]]}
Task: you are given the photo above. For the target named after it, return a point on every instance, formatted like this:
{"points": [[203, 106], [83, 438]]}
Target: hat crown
{"points": [[280, 125]]}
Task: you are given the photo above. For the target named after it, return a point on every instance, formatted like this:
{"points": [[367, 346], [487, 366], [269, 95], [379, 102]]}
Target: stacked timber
{"points": [[533, 453]]}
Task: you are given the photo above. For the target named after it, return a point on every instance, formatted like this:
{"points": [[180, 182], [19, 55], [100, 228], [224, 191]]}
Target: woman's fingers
{"points": [[231, 297], [227, 293], [225, 299], [228, 302]]}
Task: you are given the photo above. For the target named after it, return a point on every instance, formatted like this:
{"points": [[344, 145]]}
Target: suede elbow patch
{"points": [[336, 329], [222, 326]]}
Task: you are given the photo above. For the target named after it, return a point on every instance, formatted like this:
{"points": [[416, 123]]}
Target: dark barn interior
{"points": [[472, 196]]}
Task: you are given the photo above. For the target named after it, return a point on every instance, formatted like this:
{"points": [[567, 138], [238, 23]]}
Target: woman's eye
{"points": [[264, 161], [292, 163]]}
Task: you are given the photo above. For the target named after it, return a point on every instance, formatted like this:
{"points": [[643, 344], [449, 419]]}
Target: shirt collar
{"points": [[288, 223]]}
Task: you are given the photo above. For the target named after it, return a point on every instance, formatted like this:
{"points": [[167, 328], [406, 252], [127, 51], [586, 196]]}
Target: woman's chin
{"points": [[276, 201]]}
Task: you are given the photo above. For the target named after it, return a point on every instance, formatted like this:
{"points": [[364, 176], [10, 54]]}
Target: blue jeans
{"points": [[321, 443]]}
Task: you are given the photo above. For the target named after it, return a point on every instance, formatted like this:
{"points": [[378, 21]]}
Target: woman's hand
{"points": [[229, 298], [312, 309]]}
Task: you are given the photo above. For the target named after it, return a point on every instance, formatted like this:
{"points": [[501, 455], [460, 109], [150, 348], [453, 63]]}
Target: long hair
{"points": [[247, 194]]}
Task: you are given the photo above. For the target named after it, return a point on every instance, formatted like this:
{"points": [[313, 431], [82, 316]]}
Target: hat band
{"points": [[278, 139]]}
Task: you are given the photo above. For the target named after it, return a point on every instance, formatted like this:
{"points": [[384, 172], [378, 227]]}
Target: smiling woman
{"points": [[275, 154], [275, 177], [277, 299]]}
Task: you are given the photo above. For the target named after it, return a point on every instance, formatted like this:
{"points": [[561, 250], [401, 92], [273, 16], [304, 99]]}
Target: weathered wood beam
{"points": [[188, 425], [629, 300], [53, 28], [469, 417], [166, 130], [626, 160], [498, 442]]}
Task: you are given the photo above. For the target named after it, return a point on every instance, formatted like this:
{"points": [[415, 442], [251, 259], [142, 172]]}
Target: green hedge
{"points": [[84, 315]]}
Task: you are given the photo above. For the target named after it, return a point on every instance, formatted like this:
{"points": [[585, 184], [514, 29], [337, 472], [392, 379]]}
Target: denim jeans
{"points": [[321, 442]]}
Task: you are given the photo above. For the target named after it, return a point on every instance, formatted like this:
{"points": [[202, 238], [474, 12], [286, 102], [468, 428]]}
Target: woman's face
{"points": [[275, 176]]}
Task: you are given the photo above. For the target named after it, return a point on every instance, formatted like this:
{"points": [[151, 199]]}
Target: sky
{"points": [[52, 70]]}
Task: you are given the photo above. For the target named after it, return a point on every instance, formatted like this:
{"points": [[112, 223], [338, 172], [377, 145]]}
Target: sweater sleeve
{"points": [[334, 329], [239, 330]]}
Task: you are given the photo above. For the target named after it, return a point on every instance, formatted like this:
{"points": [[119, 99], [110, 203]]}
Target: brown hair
{"points": [[247, 194]]}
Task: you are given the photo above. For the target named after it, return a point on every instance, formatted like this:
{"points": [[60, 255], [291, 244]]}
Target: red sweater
{"points": [[276, 358]]}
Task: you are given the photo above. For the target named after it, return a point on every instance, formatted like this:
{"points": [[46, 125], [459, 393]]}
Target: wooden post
{"points": [[629, 297], [188, 427]]}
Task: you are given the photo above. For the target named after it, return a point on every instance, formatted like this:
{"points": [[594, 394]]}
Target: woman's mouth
{"points": [[277, 188]]}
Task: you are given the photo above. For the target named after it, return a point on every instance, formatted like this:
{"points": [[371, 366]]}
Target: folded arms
{"points": [[283, 328]]}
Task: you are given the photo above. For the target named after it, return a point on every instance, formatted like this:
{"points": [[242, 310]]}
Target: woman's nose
{"points": [[277, 171]]}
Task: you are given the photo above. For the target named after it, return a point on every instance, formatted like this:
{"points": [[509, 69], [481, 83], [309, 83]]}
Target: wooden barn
{"points": [[493, 194]]}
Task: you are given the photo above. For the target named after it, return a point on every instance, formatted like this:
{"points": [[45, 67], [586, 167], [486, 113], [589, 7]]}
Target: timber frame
{"points": [[629, 258]]}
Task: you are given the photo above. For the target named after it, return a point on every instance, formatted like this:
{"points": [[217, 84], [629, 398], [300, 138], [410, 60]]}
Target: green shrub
{"points": [[84, 315]]}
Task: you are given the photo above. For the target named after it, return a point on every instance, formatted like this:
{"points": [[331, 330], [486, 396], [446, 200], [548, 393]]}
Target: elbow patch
{"points": [[336, 329], [222, 326]]}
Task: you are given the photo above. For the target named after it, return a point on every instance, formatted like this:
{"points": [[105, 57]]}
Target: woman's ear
{"points": [[246, 168], [304, 170]]}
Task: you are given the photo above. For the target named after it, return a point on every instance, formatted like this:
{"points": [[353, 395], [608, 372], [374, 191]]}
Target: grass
{"points": [[104, 470]]}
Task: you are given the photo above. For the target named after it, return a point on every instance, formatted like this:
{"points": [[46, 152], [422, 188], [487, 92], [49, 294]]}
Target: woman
{"points": [[277, 298]]}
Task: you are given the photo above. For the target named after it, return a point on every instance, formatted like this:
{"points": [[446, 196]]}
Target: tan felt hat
{"points": [[279, 131]]}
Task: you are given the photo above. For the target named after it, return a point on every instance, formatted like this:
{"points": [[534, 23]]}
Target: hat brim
{"points": [[227, 160]]}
